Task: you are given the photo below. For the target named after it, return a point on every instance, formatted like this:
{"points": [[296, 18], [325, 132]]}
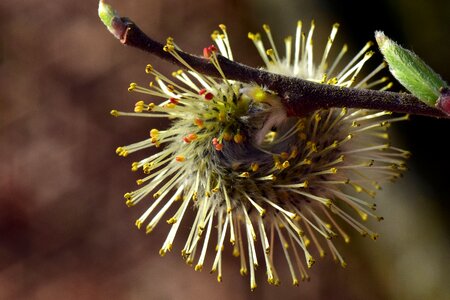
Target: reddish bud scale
{"points": [[444, 101]]}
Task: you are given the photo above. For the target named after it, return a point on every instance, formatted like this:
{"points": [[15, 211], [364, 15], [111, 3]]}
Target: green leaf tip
{"points": [[111, 19], [410, 70]]}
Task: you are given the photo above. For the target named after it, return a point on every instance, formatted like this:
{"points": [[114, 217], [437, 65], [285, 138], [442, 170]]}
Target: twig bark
{"points": [[299, 96]]}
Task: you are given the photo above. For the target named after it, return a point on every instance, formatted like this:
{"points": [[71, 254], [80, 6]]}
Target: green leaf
{"points": [[410, 70]]}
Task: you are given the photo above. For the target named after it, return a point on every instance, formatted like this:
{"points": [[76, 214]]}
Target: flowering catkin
{"points": [[254, 175]]}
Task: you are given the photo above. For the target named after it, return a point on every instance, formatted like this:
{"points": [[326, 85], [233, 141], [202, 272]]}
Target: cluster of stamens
{"points": [[255, 175]]}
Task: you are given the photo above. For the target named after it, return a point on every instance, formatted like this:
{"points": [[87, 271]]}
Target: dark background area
{"points": [[64, 228]]}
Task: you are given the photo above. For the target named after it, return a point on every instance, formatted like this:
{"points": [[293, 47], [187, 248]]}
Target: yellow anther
{"points": [[227, 136], [121, 151], [254, 167], [180, 158], [198, 267], [269, 52], [134, 166], [154, 133], [284, 155], [114, 113], [148, 69], [215, 34], [238, 138], [168, 48], [172, 221], [221, 117], [285, 164], [363, 216], [317, 117], [146, 169], [244, 175], [170, 105], [307, 161], [138, 224], [139, 181], [266, 28], [311, 262], [138, 108], [223, 27], [332, 81], [171, 88], [254, 36], [369, 54], [132, 86]]}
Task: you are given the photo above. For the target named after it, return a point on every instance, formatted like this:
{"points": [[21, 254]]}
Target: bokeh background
{"points": [[64, 229]]}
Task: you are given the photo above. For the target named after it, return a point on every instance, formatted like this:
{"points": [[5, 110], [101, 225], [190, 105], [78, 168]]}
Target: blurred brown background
{"points": [[64, 229]]}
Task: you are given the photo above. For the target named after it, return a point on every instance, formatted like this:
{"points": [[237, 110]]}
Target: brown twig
{"points": [[299, 96]]}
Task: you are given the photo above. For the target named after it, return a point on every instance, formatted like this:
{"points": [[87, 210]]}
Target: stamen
{"points": [[297, 52], [272, 44], [333, 33]]}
